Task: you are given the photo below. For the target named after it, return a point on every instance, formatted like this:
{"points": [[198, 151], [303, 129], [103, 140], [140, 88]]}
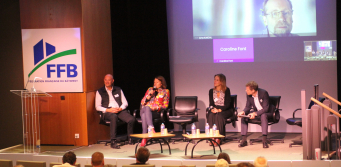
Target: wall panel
{"points": [[62, 119]]}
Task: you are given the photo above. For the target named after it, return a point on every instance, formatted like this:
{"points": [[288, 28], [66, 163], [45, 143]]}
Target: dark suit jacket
{"points": [[264, 101]]}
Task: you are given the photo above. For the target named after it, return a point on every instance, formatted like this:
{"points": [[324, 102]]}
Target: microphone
{"points": [[154, 88], [34, 80]]}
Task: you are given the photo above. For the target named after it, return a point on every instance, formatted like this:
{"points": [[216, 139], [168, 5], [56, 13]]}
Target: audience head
{"points": [[18, 166], [244, 164], [160, 82], [142, 155], [221, 163], [224, 156], [260, 162], [220, 80], [70, 158], [97, 159]]}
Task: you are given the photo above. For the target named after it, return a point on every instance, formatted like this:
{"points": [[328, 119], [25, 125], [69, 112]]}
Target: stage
{"points": [[278, 153]]}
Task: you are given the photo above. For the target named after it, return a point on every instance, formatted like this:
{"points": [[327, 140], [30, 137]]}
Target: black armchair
{"points": [[298, 121], [232, 120], [274, 100], [185, 111], [107, 123]]}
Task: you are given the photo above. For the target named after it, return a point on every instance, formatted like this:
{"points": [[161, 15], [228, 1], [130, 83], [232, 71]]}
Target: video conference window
{"points": [[214, 19], [320, 50]]}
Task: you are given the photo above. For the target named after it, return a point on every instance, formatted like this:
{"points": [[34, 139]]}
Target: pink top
{"points": [[160, 101]]}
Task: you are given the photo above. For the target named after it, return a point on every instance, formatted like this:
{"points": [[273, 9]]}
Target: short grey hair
{"points": [[266, 1]]}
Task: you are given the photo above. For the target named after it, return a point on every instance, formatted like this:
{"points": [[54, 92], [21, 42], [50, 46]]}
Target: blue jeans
{"points": [[147, 116]]}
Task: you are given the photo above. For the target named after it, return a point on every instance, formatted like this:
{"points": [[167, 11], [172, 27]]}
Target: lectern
{"points": [[30, 118]]}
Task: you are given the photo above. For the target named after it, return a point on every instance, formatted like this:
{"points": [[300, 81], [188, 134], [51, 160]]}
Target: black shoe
{"points": [[114, 145], [265, 145], [243, 144]]}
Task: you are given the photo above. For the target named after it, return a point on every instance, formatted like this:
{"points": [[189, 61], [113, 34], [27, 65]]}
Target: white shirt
{"points": [[65, 164], [112, 101], [257, 104]]}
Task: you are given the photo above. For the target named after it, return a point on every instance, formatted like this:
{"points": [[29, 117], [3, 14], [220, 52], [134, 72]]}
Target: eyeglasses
{"points": [[276, 14]]}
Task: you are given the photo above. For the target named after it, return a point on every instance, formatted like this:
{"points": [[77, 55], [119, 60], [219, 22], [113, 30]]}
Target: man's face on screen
{"points": [[278, 18]]}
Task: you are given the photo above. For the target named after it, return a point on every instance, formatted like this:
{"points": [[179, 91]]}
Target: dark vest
{"points": [[105, 96]]}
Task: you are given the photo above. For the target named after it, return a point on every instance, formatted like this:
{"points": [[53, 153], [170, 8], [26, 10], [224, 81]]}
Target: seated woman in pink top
{"points": [[155, 99]]}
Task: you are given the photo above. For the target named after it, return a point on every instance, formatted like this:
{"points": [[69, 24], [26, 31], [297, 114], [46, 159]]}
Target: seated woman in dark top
{"points": [[220, 108]]}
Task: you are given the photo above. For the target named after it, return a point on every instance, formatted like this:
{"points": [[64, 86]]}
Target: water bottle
{"points": [[207, 129], [193, 129], [150, 131], [214, 129], [162, 128]]}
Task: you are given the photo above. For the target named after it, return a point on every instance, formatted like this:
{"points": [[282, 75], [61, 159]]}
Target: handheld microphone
{"points": [[154, 88]]}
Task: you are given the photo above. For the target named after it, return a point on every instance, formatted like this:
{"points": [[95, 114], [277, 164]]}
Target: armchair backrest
{"points": [[321, 99], [274, 100], [234, 101], [185, 105]]}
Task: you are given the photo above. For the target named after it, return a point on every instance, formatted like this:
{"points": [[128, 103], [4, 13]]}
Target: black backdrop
{"points": [[140, 46]]}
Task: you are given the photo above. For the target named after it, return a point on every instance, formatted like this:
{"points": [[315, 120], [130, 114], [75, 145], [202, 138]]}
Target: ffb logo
{"points": [[40, 60]]}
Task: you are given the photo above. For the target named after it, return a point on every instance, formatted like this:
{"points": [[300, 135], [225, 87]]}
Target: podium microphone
{"points": [[34, 80]]}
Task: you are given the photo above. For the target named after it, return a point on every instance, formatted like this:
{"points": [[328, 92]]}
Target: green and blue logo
{"points": [[38, 49]]}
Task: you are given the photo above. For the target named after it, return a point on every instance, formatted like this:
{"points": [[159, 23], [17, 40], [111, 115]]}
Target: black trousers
{"points": [[125, 116], [264, 123], [219, 119]]}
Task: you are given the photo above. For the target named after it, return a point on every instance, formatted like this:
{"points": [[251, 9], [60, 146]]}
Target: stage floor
{"points": [[277, 151]]}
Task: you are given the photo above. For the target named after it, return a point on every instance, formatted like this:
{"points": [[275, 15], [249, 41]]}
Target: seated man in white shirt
{"points": [[111, 101], [257, 107], [69, 159]]}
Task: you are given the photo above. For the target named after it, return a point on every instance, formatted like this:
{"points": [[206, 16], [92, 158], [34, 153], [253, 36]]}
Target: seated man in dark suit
{"points": [[111, 101], [142, 156], [257, 107]]}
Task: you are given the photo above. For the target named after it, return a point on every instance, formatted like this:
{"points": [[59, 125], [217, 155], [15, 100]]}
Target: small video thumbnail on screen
{"points": [[320, 50]]}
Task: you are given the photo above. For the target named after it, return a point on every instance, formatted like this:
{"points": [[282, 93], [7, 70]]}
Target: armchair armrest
{"points": [[101, 117], [136, 113], [276, 115], [163, 114], [293, 114], [196, 114], [207, 111], [235, 114]]}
